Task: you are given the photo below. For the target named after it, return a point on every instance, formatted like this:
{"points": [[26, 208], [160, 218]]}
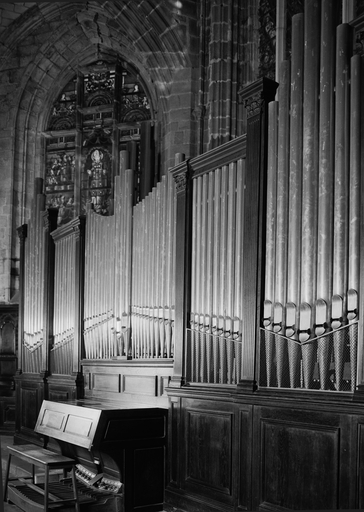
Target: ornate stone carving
{"points": [[199, 112]]}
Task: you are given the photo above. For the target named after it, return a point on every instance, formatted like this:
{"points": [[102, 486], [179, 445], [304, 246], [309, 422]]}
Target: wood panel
{"points": [[29, 397], [299, 465], [63, 387], [304, 457], [244, 481], [360, 433], [141, 383], [106, 382], [209, 449], [7, 415]]}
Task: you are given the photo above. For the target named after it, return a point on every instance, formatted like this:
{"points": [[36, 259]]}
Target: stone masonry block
{"points": [[9, 15]]}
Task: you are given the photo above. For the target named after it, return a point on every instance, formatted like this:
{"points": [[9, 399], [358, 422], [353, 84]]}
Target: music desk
{"points": [[47, 460]]}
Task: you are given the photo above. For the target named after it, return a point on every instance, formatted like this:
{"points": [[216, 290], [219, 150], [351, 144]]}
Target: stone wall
{"points": [[192, 55]]}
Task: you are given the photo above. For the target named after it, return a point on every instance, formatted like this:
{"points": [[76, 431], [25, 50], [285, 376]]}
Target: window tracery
{"points": [[97, 114]]}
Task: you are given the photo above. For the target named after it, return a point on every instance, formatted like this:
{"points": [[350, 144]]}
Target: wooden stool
{"points": [[42, 458]]}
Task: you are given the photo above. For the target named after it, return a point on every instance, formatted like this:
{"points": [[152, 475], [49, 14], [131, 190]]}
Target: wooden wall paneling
{"points": [[244, 452], [174, 435], [303, 460], [208, 451], [140, 383], [62, 387], [360, 465], [30, 393], [7, 415]]}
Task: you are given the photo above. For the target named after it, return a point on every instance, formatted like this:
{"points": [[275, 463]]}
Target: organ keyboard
{"points": [[119, 457]]}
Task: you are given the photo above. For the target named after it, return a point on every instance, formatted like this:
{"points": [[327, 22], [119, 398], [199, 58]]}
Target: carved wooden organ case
{"points": [[76, 248]]}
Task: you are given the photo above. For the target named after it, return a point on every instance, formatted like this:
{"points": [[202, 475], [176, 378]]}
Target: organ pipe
{"points": [[322, 267], [354, 191], [153, 251], [294, 203], [310, 178], [271, 235], [282, 215], [295, 164], [325, 186], [341, 188]]}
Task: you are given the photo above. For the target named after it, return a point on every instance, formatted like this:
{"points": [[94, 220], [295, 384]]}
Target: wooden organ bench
{"points": [[116, 458], [47, 460]]}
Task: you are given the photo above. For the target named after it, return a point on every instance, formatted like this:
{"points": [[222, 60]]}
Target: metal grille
{"points": [[328, 362], [213, 359]]}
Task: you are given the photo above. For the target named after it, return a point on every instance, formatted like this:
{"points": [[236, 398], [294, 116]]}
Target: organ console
{"points": [[119, 457]]}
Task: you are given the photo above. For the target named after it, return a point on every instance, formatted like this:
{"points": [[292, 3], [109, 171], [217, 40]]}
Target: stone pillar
{"points": [[223, 50]]}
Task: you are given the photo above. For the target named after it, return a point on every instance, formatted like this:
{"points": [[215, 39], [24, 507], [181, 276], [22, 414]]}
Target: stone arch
{"points": [[65, 35]]}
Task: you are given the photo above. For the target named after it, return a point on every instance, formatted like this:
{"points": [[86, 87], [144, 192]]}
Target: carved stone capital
{"points": [[199, 112]]}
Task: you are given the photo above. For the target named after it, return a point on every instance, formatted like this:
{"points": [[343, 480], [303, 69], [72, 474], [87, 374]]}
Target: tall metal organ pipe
{"points": [[325, 188], [310, 178], [282, 216], [294, 198]]}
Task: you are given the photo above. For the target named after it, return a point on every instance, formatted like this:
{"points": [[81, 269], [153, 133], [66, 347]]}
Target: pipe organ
{"points": [[214, 334], [36, 306], [111, 286], [309, 324], [153, 256], [107, 276], [68, 255]]}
